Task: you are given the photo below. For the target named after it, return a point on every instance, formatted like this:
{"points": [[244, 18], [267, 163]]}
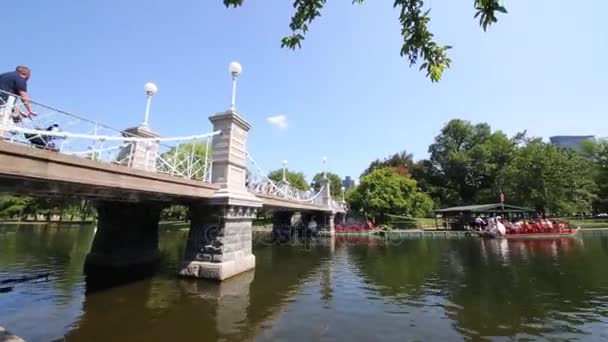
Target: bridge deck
{"points": [[31, 171], [280, 203], [27, 170]]}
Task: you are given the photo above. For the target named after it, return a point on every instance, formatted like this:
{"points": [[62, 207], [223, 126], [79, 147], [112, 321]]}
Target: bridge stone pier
{"points": [[285, 227], [127, 234], [220, 243], [323, 222]]}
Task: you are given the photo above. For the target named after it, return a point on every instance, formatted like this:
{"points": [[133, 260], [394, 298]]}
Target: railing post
{"points": [[174, 157], [207, 172], [139, 151], [147, 160], [130, 150], [191, 161], [6, 111]]}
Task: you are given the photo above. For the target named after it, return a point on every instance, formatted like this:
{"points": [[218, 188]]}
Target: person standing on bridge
{"points": [[15, 82]]}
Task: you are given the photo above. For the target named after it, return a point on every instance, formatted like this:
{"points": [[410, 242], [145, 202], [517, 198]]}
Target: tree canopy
{"points": [[597, 153], [11, 205], [471, 163], [384, 191], [295, 179], [18, 206], [467, 163], [550, 179], [414, 19], [401, 162]]}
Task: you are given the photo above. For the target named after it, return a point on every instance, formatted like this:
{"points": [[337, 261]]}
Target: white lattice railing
{"points": [[259, 183], [53, 129], [339, 206]]}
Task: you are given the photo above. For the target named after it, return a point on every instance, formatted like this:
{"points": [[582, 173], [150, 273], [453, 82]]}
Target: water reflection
{"points": [[497, 287], [57, 250], [167, 307], [346, 288], [542, 280]]}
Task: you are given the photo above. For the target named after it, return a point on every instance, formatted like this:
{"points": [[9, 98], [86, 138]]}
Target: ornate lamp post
{"points": [[235, 70], [150, 89], [284, 171]]}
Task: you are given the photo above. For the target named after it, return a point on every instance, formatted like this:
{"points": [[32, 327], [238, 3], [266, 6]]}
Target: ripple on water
{"points": [[426, 290]]}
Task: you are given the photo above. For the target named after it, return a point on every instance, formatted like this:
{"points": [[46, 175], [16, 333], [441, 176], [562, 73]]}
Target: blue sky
{"points": [[347, 94]]}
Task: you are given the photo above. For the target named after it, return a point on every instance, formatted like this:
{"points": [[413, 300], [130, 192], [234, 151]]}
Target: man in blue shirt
{"points": [[15, 82]]}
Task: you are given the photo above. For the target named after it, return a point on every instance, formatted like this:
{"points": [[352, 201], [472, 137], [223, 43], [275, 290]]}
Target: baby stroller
{"points": [[45, 142]]}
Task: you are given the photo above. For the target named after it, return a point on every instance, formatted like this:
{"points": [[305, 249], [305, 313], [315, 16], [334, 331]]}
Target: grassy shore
{"points": [[179, 225], [168, 225], [403, 222], [589, 224]]}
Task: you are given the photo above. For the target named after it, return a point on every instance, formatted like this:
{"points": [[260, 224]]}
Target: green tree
{"points": [[295, 179], [13, 205], [384, 191], [597, 153], [175, 212], [178, 159], [467, 163], [551, 179], [418, 41], [335, 183], [66, 207], [402, 162]]}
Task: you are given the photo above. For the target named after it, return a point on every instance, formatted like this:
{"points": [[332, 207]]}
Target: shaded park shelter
{"points": [[462, 217]]}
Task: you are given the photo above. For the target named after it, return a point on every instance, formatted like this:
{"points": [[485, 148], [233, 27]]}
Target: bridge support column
{"points": [[127, 235], [327, 226], [220, 241], [340, 218], [307, 218], [282, 228]]}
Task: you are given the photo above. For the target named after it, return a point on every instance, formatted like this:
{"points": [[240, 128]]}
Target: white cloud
{"points": [[279, 121]]}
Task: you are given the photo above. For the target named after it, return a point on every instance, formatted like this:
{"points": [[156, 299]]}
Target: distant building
{"points": [[570, 141], [348, 183]]}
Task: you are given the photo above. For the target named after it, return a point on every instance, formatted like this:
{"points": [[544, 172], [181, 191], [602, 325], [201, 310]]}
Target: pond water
{"points": [[342, 289]]}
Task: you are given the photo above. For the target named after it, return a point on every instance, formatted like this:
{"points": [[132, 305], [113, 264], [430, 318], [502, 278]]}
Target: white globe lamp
{"points": [[150, 89]]}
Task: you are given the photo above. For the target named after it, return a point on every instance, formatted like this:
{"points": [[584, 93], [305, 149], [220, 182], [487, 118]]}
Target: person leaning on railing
{"points": [[15, 82]]}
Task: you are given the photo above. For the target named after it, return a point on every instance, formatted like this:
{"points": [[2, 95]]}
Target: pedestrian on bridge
{"points": [[15, 82]]}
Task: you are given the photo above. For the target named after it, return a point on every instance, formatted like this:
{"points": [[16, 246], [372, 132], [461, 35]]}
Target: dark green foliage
{"points": [[384, 191], [295, 179], [418, 41], [466, 164], [597, 153], [553, 180], [11, 206], [17, 207], [402, 162], [175, 212], [486, 12], [470, 164]]}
